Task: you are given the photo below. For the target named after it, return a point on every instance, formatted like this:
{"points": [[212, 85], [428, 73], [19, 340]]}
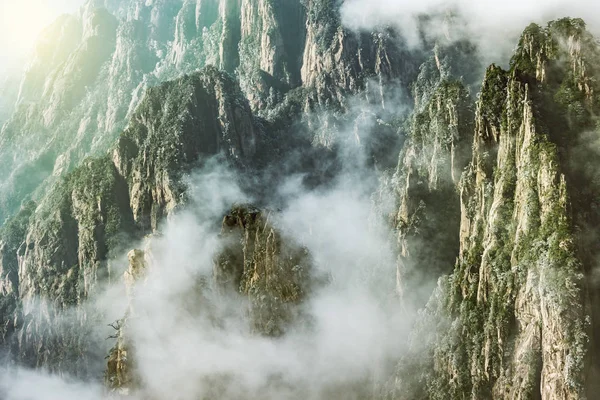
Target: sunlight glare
{"points": [[21, 22]]}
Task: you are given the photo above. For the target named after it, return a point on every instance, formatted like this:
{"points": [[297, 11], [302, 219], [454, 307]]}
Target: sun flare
{"points": [[21, 22]]}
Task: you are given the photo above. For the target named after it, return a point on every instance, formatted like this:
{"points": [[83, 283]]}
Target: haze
{"points": [[21, 23]]}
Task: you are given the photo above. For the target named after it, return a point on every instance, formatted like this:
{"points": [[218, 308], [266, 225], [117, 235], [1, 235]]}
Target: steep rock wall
{"points": [[265, 266], [65, 243], [513, 320]]}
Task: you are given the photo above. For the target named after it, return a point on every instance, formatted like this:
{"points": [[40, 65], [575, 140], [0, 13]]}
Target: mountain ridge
{"points": [[505, 302]]}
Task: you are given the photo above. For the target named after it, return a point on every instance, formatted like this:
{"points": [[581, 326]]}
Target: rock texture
{"points": [[272, 36], [51, 92], [64, 245], [514, 318], [120, 368], [256, 261], [89, 73], [206, 115], [426, 178], [495, 199], [262, 264], [336, 61]]}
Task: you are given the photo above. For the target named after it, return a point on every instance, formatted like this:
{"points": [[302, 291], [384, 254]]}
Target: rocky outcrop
{"points": [[513, 314], [60, 261], [77, 95], [86, 78], [131, 61], [337, 61], [63, 247], [255, 260], [120, 375], [136, 44], [52, 91], [426, 180], [13, 235], [261, 263], [513, 319], [272, 37], [153, 150], [424, 184], [193, 19]]}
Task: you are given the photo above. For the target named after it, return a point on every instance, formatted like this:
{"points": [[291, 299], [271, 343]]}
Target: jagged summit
{"points": [[89, 72]]}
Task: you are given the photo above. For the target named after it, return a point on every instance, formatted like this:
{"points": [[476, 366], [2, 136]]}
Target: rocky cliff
{"points": [[514, 317], [89, 72], [120, 375], [260, 263], [65, 244], [256, 261], [429, 169], [491, 198]]}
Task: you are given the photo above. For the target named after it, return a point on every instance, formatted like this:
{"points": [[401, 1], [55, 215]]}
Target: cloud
{"points": [[494, 25], [21, 384], [193, 340]]}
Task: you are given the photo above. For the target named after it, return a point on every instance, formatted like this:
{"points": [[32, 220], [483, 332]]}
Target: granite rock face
{"points": [[262, 264], [514, 318], [65, 243], [120, 366], [255, 261], [89, 73], [428, 172], [206, 115]]}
